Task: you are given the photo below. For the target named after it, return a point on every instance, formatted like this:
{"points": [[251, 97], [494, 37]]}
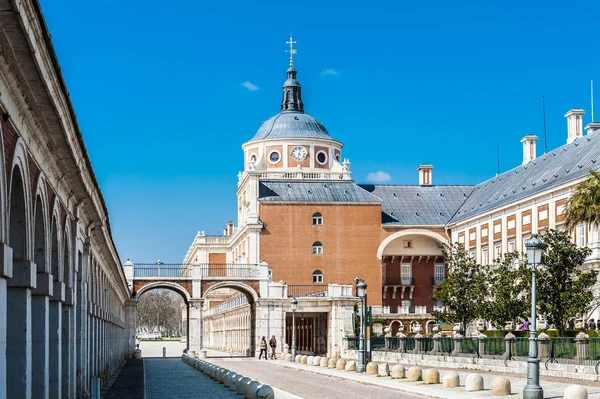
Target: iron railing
{"points": [[404, 281], [306, 290], [203, 270]]}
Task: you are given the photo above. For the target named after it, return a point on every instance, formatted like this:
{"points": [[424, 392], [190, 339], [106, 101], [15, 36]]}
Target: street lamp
{"points": [[361, 291], [533, 390], [294, 304]]}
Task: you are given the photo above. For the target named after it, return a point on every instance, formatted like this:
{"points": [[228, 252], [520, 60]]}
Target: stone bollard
{"points": [[576, 392], [250, 389], [372, 368], [234, 382], [316, 361], [164, 352], [332, 362], [350, 366], [414, 374], [202, 353], [340, 364], [451, 379], [431, 376], [298, 359], [500, 386], [324, 362], [473, 382], [509, 345], [304, 359], [582, 343], [222, 373], [286, 349], [265, 392], [287, 357], [309, 360], [240, 386], [383, 370], [398, 371], [228, 377]]}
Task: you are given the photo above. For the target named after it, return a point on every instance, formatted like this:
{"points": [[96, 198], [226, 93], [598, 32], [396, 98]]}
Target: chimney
{"points": [[425, 174], [574, 124], [529, 152], [592, 127], [229, 228]]}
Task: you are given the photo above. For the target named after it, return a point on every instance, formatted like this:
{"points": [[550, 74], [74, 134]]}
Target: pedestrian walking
{"points": [[273, 345], [592, 324], [525, 325], [263, 348]]}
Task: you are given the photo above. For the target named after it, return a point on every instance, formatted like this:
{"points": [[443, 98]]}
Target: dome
{"points": [[296, 125]]}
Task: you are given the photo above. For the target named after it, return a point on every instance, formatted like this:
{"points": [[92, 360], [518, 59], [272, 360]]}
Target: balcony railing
{"points": [[307, 290], [437, 281], [202, 270], [405, 281], [405, 310], [307, 175]]}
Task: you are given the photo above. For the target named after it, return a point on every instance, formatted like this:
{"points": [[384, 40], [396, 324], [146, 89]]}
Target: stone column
{"points": [[55, 339], [582, 343], [67, 343], [543, 343], [40, 311], [509, 342], [19, 329], [130, 327], [437, 341], [482, 337], [5, 273], [195, 325]]}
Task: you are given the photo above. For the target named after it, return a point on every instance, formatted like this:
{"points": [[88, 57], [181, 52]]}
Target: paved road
{"points": [[173, 379], [154, 348], [304, 383]]}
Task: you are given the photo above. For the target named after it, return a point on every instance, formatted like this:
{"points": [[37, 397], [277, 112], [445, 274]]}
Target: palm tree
{"points": [[584, 205]]}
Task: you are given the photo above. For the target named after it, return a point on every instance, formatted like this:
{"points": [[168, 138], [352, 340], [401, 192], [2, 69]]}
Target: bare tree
{"points": [[160, 311]]}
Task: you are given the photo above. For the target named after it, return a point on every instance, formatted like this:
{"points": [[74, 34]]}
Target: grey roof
{"points": [[569, 162], [418, 205], [291, 125], [315, 191]]}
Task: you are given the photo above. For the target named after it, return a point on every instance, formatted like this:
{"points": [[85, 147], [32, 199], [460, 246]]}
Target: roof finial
{"points": [[292, 50]]}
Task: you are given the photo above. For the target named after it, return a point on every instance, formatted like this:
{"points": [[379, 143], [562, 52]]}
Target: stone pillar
{"points": [[582, 343], [5, 273], [509, 342], [195, 325], [55, 343], [40, 311], [67, 339], [19, 328], [457, 343], [418, 343], [130, 327], [543, 344], [437, 341], [482, 337]]}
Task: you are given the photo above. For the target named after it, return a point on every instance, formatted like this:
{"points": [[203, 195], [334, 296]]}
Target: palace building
{"points": [[300, 212]]}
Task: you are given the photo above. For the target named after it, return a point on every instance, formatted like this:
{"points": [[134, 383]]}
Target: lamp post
{"points": [[294, 304], [533, 390], [361, 291]]}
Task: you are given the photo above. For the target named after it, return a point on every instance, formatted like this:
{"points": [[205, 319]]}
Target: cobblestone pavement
{"points": [[172, 379], [304, 383]]}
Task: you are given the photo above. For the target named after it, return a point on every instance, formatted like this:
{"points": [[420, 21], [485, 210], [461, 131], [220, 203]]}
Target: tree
{"points": [[584, 205], [564, 288], [463, 292], [509, 288], [160, 311]]}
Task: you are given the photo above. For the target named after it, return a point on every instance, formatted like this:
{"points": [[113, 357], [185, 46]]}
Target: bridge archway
{"points": [[231, 324], [174, 287]]}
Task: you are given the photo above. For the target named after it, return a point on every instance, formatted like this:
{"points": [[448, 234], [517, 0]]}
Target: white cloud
{"points": [[250, 86], [378, 177], [329, 72]]}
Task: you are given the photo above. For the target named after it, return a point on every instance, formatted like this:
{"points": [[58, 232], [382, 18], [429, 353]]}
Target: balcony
{"points": [[437, 281], [319, 290], [399, 281], [404, 284], [196, 270]]}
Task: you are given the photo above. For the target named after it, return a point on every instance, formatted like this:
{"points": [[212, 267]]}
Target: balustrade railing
{"points": [[307, 175], [307, 290], [202, 270]]}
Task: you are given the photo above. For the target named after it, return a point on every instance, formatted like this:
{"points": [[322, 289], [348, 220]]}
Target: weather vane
{"points": [[292, 50]]}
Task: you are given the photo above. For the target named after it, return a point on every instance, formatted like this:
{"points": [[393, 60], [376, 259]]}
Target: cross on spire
{"points": [[292, 50]]}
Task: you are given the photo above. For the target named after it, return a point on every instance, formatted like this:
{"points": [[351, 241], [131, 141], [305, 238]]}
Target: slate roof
{"points": [[562, 165], [413, 205], [315, 191], [291, 125]]}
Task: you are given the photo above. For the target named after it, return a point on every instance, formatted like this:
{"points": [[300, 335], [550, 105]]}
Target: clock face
{"points": [[299, 153]]}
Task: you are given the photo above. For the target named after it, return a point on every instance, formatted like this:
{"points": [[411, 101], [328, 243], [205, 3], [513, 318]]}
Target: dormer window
{"points": [[317, 219]]}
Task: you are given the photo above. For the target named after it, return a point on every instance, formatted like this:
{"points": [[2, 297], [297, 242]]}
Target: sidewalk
{"points": [[552, 389]]}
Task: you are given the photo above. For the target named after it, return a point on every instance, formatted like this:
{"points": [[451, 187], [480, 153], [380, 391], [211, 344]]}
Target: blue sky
{"points": [[158, 88]]}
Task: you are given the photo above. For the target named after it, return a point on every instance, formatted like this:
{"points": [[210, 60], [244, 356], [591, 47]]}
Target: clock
{"points": [[299, 153]]}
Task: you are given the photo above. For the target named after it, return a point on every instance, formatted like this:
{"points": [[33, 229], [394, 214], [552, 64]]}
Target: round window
{"points": [[322, 157], [274, 157]]}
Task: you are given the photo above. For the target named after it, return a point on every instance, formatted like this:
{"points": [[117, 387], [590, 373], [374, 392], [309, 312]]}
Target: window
{"points": [[322, 157], [408, 244], [497, 251], [406, 303], [472, 254], [438, 274], [511, 245], [317, 248], [406, 275], [484, 256], [337, 157], [317, 276], [317, 219], [253, 158], [580, 235], [274, 157]]}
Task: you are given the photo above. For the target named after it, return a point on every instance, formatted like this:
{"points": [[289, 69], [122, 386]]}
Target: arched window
{"points": [[317, 219], [253, 158], [317, 248], [317, 276]]}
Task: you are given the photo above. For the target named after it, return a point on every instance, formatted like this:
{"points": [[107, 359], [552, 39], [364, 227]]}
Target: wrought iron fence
{"points": [[494, 347], [307, 290]]}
